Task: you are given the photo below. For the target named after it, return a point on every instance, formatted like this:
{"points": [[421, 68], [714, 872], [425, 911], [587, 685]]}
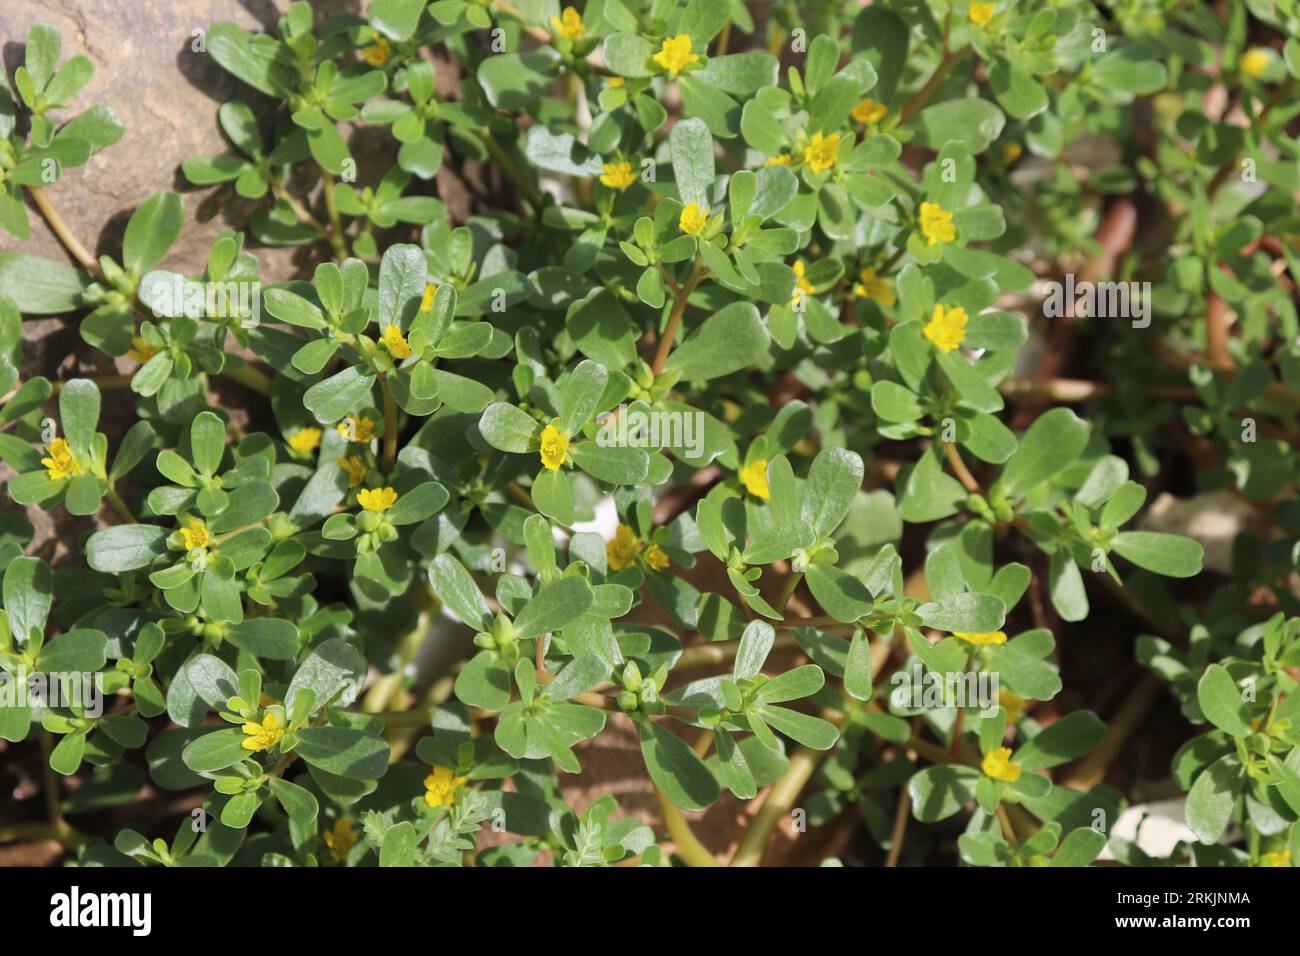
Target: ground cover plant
{"points": [[817, 386]]}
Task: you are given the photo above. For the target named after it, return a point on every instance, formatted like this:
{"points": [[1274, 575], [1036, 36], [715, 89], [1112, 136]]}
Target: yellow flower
{"points": [[568, 24], [936, 224], [1256, 60], [614, 82], [1276, 858], [61, 464], [655, 557], [675, 55], [981, 637], [265, 735], [980, 13], [340, 840], [555, 447], [946, 328], [819, 154], [997, 764], [195, 536], [621, 551], [802, 286], [440, 787], [1010, 153], [426, 301], [782, 160], [377, 53], [754, 477], [142, 350], [395, 342], [377, 499], [693, 218], [872, 286], [617, 175], [356, 469], [868, 111], [356, 429], [305, 440], [1013, 704]]}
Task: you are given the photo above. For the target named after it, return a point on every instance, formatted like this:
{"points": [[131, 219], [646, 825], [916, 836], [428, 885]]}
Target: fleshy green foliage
{"points": [[812, 273]]}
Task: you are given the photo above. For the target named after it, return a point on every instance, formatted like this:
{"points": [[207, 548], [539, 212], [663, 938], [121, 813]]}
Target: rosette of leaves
{"points": [[570, 435], [150, 232], [75, 654], [74, 467], [39, 158], [298, 66], [1243, 768]]}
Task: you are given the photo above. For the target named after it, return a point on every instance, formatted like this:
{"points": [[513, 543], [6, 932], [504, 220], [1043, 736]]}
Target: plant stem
{"points": [[337, 237], [390, 426], [689, 848], [105, 383], [940, 74], [120, 506], [250, 378], [60, 229], [675, 316], [959, 468], [537, 33], [900, 827], [503, 160], [777, 804]]}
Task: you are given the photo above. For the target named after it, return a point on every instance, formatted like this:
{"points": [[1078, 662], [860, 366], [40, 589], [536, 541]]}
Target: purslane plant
{"points": [[806, 266]]}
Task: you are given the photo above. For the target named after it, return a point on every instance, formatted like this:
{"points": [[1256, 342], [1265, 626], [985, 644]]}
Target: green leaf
{"points": [[612, 463], [939, 792], [1172, 555], [484, 682], [215, 751], [125, 547], [1051, 443], [80, 650], [554, 606], [1221, 701], [1061, 741], [339, 395], [691, 146], [675, 768], [150, 232], [857, 670], [38, 286], [732, 338], [810, 731], [833, 482], [270, 638], [456, 589], [343, 751], [297, 801], [509, 428], [970, 613], [1212, 797], [28, 596]]}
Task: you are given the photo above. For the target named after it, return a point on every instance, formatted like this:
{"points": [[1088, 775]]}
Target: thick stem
{"points": [[338, 239], [507, 165], [959, 468], [251, 378], [120, 506], [84, 257], [390, 427], [689, 848], [931, 85], [675, 316]]}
